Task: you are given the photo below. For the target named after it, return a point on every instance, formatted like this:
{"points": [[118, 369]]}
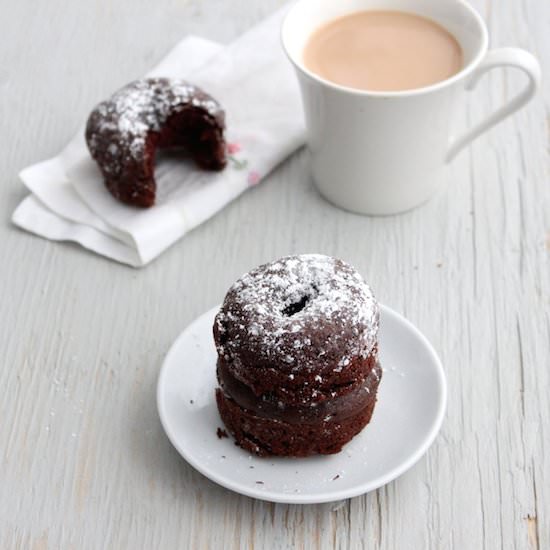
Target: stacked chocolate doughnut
{"points": [[297, 356]]}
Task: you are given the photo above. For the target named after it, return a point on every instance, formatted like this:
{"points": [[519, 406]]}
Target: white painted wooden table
{"points": [[84, 463]]}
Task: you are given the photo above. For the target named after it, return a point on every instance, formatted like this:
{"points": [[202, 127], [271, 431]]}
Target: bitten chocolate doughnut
{"points": [[297, 356], [124, 133]]}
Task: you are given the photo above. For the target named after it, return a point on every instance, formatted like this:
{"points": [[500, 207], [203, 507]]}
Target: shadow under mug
{"points": [[386, 152]]}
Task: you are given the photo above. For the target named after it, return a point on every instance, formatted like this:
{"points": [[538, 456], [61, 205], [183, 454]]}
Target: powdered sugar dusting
{"points": [[302, 312], [138, 108]]}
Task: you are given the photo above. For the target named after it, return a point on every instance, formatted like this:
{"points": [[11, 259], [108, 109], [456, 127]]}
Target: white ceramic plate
{"points": [[410, 408]]}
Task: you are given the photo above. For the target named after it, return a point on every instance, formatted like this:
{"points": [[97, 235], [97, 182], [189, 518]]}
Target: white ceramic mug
{"points": [[386, 152]]}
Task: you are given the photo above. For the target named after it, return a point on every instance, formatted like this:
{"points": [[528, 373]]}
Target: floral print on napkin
{"points": [[233, 149]]}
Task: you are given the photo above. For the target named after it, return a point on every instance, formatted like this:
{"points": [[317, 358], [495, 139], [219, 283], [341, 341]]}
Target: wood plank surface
{"points": [[84, 463]]}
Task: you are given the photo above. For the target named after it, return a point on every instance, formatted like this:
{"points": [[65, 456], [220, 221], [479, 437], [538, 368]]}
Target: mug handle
{"points": [[501, 57]]}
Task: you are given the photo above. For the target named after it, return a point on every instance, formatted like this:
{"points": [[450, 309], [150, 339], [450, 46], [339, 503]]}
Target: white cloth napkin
{"points": [[254, 84]]}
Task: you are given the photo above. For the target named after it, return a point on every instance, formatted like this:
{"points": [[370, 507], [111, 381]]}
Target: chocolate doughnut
{"points": [[297, 356], [124, 133]]}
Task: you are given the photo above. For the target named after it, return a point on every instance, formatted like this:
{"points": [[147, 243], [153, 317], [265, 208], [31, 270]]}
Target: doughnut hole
{"points": [[297, 305]]}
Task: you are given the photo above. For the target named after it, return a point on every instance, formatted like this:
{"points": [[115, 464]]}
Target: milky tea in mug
{"points": [[382, 83], [383, 51]]}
